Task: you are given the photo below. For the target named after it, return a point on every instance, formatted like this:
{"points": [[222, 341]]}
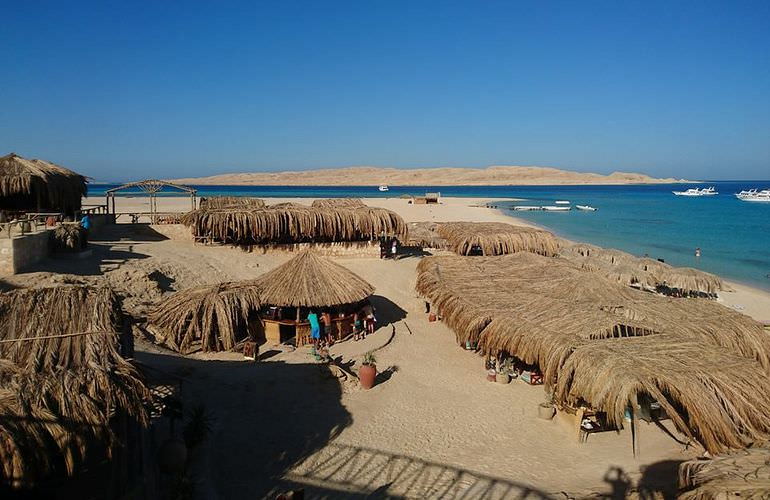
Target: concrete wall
{"points": [[22, 252]]}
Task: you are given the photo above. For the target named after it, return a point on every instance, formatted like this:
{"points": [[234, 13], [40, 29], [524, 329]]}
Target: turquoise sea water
{"points": [[734, 236]]}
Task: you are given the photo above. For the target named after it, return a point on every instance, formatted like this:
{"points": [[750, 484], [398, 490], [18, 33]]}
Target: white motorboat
{"points": [[709, 191], [555, 208], [587, 208], [562, 202], [384, 187], [755, 196]]}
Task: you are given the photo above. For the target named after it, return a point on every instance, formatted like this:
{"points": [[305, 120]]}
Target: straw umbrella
{"points": [[37, 185], [309, 280], [742, 474]]}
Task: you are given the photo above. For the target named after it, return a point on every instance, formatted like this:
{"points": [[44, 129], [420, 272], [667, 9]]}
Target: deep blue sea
{"points": [[734, 236]]}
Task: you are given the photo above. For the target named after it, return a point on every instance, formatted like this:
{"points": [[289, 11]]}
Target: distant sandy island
{"points": [[440, 176]]}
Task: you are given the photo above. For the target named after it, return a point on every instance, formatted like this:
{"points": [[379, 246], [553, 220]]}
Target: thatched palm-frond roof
{"points": [[32, 184], [626, 268], [61, 379], [338, 203], [207, 318], [497, 238], [712, 395], [743, 474], [691, 280], [309, 280], [425, 235], [231, 201], [545, 310], [291, 223]]}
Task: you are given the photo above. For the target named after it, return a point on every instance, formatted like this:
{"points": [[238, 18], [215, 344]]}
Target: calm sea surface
{"points": [[734, 236]]}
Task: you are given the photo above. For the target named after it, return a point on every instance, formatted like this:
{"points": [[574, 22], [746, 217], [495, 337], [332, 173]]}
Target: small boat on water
{"points": [[709, 191], [587, 208], [754, 195], [384, 187], [526, 208], [562, 202], [554, 208]]}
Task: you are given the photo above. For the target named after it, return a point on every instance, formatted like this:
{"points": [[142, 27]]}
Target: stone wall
{"points": [[21, 252]]}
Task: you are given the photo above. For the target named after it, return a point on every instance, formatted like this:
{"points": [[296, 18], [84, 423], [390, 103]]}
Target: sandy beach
{"points": [[432, 427]]}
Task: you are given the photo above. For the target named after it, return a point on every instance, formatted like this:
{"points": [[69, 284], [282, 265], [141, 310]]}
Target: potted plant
{"points": [[546, 410], [368, 371]]}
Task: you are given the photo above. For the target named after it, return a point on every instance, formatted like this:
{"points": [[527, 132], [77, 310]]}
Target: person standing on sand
{"points": [[315, 328], [394, 249], [327, 321]]}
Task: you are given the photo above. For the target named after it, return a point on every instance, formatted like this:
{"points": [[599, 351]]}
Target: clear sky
{"points": [[132, 89]]}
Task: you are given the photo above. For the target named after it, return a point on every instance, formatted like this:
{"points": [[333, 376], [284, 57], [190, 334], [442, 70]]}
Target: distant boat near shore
{"points": [[384, 187], [586, 208], [709, 191], [562, 202], [754, 195]]}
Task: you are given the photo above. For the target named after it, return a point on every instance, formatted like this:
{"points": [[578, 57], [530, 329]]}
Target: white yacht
{"points": [[754, 195], [562, 202], [709, 191], [746, 192], [384, 187], [556, 208], [587, 208]]}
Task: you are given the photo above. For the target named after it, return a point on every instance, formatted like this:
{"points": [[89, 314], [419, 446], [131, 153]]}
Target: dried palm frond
{"points": [[207, 318], [38, 184], [743, 474], [309, 280], [68, 237], [231, 202], [61, 379], [549, 312], [497, 238], [291, 223], [339, 203]]}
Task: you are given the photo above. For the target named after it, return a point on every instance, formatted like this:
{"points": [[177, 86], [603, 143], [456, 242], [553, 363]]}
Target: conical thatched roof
{"points": [[37, 184], [309, 280], [691, 280], [62, 379], [207, 318], [743, 474], [425, 235], [552, 313]]}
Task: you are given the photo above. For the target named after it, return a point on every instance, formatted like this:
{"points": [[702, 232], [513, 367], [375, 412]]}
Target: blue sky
{"points": [[127, 90]]}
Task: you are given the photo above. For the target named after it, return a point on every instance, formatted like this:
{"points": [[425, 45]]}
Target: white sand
{"points": [[436, 428]]}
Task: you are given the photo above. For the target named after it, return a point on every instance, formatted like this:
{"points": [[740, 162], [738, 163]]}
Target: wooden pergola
{"points": [[152, 187]]}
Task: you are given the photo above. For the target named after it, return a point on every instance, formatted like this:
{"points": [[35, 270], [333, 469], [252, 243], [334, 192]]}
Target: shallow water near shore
{"points": [[734, 236]]}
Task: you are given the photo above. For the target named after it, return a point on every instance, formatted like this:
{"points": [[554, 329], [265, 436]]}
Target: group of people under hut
{"points": [[363, 321]]}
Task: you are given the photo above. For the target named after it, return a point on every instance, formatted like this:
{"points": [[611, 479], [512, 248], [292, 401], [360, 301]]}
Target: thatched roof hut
{"points": [[710, 394], [549, 312], [309, 280], [640, 271], [425, 235], [39, 185], [207, 318], [293, 223], [339, 203], [497, 238], [743, 474], [231, 202], [62, 380]]}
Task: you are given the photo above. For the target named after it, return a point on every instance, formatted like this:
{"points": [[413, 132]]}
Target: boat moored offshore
{"points": [[709, 191], [754, 195]]}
